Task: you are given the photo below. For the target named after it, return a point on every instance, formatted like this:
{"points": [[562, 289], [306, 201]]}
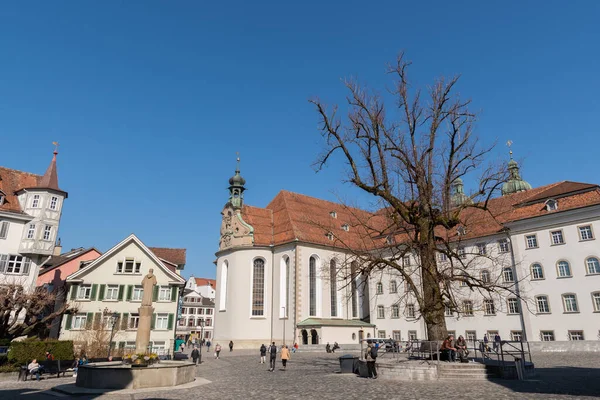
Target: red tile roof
{"points": [[12, 181], [174, 256], [290, 216], [206, 281]]}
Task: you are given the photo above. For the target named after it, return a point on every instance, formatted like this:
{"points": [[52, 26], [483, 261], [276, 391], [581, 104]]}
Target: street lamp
{"points": [[201, 338], [283, 325], [113, 320]]}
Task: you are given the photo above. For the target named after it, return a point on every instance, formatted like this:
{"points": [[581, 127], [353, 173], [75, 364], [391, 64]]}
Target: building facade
{"points": [[196, 319], [30, 211], [279, 275], [112, 284]]}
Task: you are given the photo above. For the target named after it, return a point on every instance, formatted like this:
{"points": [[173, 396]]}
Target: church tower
{"points": [[234, 230], [458, 196], [515, 183]]}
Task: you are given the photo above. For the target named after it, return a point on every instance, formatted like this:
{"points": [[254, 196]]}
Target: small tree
{"points": [[411, 158], [95, 339], [24, 313]]}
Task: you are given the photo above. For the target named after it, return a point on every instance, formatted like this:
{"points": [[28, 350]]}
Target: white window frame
{"points": [[448, 311], [531, 241], [412, 335], [513, 306], [508, 275], [379, 288], [397, 335], [481, 249], [544, 300], [31, 231], [112, 292], [380, 312], [576, 335], [462, 253], [442, 257], [516, 336], [133, 321], [583, 231], [570, 304], [485, 276], [395, 311], [489, 308], [503, 246], [470, 336], [547, 336], [557, 237], [467, 308], [79, 322], [35, 201], [54, 203], [4, 227], [411, 311], [393, 286], [588, 270], [47, 233], [381, 334], [559, 273], [534, 273], [164, 293], [15, 264], [84, 292], [596, 301], [139, 290], [162, 322]]}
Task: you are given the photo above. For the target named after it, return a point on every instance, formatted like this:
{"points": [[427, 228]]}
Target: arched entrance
{"points": [[304, 336], [314, 337]]}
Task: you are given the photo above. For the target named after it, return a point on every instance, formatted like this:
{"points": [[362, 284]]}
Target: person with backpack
{"points": [[217, 351], [263, 354], [195, 355], [272, 357], [371, 357]]}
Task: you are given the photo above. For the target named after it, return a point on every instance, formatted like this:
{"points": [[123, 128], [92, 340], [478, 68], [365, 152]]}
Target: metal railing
{"points": [[502, 351]]}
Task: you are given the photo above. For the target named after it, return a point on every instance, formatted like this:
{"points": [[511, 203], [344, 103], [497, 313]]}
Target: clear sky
{"points": [[150, 100]]}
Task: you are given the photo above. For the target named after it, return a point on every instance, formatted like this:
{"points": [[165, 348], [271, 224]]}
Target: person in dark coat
{"points": [[263, 354], [195, 355], [272, 357], [231, 345]]}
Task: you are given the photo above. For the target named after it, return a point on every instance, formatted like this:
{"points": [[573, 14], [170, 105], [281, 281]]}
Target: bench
{"points": [[50, 367]]}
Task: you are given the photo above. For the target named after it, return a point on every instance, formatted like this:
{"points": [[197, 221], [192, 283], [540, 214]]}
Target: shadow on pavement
{"points": [[574, 381]]}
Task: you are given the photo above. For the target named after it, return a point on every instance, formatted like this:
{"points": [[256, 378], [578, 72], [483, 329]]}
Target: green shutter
{"points": [[153, 322], [101, 294], [69, 322], [170, 322], [129, 292], [124, 321], [121, 345], [94, 291], [121, 290], [89, 319], [155, 293], [174, 291], [74, 291]]}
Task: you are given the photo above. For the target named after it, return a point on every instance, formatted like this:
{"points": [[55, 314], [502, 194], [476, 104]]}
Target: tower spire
{"points": [[50, 178], [515, 183], [236, 186]]}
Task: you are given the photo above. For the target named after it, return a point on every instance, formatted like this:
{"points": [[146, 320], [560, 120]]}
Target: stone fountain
{"points": [[116, 375]]}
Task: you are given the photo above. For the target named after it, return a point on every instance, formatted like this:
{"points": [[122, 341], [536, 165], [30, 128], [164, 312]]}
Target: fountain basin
{"points": [[115, 375]]}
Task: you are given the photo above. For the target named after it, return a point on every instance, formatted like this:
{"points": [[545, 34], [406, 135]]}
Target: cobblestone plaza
{"points": [[239, 375]]}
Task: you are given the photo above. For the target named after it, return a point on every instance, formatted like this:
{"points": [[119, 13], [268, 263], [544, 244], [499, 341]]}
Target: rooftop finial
{"points": [[55, 147], [509, 144]]}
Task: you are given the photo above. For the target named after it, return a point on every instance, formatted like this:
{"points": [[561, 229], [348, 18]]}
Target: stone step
{"points": [[466, 378], [461, 366]]}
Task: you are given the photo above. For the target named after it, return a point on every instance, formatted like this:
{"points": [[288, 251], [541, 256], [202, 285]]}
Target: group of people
{"points": [[450, 349], [272, 351], [330, 349], [37, 369]]}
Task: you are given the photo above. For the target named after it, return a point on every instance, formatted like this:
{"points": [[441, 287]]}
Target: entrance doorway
{"points": [[314, 337], [304, 336]]}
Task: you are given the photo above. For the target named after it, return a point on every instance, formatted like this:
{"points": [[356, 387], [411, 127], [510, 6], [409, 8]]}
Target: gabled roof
{"points": [[205, 282], [174, 256], [57, 261], [11, 181], [129, 239]]}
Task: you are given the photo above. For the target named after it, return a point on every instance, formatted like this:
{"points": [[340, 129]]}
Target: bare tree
{"points": [[24, 313], [411, 159], [95, 339]]}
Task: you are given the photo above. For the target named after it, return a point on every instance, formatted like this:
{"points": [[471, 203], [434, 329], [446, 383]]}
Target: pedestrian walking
{"points": [[208, 346], [371, 357], [272, 356], [497, 342], [263, 354], [285, 356], [217, 350], [231, 345], [195, 355]]}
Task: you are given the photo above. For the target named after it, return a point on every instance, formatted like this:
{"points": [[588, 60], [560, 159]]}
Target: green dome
{"points": [[515, 183], [458, 196], [237, 179]]}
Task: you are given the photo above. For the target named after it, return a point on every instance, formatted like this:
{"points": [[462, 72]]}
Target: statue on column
{"points": [[143, 332], [148, 284]]}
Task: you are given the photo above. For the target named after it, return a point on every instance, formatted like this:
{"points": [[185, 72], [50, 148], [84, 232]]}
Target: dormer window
{"points": [[390, 239], [551, 205], [462, 231], [2, 196], [332, 214], [129, 266], [346, 227], [329, 235]]}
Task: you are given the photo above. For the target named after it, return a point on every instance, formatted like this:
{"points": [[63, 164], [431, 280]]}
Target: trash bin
{"points": [[348, 363]]}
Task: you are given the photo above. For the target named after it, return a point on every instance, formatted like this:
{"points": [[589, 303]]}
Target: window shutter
{"points": [[94, 291], [124, 321], [101, 294], [3, 261], [121, 345], [121, 290], [69, 322], [26, 265], [89, 318], [155, 293], [4, 229], [74, 289], [174, 291], [153, 322], [129, 292], [170, 322], [97, 320]]}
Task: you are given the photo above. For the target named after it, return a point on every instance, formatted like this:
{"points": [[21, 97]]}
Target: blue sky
{"points": [[150, 100]]}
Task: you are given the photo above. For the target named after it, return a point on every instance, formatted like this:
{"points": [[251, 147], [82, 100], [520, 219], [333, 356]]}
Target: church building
{"points": [[278, 275]]}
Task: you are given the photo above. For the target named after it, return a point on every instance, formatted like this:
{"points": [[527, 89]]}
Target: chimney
{"points": [[57, 248]]}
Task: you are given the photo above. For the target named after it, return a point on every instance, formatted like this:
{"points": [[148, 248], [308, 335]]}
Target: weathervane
{"points": [[55, 146], [509, 144]]}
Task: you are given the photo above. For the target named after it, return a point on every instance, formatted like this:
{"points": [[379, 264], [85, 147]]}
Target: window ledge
{"points": [[513, 313], [538, 279], [543, 313], [587, 240], [564, 277], [571, 312], [83, 299], [532, 248], [110, 300], [594, 274], [489, 315], [558, 244], [260, 317]]}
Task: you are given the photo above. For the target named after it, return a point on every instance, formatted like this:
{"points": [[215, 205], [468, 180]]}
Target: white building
{"points": [[277, 279], [30, 210], [112, 284], [196, 319]]}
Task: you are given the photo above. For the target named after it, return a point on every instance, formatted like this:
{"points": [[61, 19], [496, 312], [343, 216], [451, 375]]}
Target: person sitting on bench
{"points": [[34, 369], [447, 350], [461, 346]]}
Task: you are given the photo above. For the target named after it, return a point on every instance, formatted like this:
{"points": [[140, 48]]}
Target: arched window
{"points": [[353, 288], [507, 274], [537, 271], [258, 287], [563, 269], [379, 289], [284, 292], [333, 287], [593, 266], [485, 276], [542, 304], [312, 284], [393, 286], [223, 291]]}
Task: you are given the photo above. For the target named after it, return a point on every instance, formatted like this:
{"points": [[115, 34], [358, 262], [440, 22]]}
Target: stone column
{"points": [[143, 332]]}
